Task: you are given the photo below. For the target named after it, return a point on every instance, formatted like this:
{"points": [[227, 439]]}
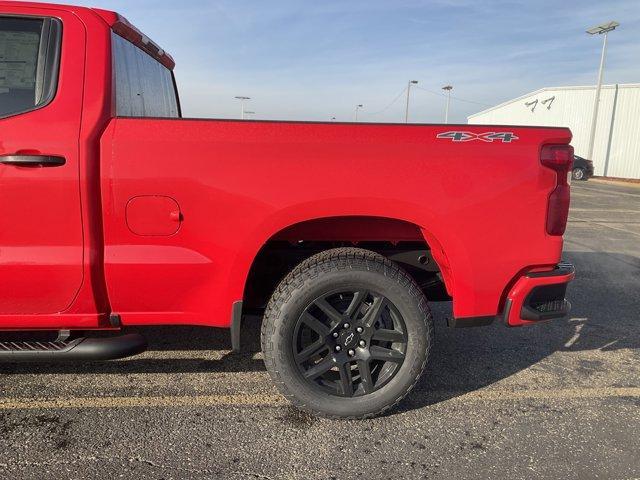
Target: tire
{"points": [[362, 304], [578, 174]]}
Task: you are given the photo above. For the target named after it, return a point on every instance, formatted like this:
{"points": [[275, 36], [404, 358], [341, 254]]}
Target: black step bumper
{"points": [[538, 296]]}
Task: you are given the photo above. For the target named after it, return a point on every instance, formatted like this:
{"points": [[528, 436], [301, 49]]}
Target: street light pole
{"points": [[448, 89], [603, 29], [242, 100], [358, 107], [406, 112]]}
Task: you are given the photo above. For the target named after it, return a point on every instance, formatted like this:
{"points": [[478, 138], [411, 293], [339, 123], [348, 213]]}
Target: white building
{"points": [[616, 151]]}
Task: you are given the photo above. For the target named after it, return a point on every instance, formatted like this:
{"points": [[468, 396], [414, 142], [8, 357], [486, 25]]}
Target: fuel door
{"points": [[153, 215]]}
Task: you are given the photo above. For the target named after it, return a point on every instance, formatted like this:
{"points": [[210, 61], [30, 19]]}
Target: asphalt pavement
{"points": [[556, 400]]}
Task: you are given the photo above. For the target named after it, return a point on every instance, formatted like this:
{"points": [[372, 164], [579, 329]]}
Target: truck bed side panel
{"points": [[239, 183]]}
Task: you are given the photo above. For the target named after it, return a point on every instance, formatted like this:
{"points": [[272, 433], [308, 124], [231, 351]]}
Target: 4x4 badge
{"points": [[504, 137]]}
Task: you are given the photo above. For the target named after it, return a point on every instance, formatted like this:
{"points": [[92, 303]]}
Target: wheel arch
{"points": [[336, 225]]}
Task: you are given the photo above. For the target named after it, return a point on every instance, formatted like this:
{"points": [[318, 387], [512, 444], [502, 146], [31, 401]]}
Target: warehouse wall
{"points": [[617, 144]]}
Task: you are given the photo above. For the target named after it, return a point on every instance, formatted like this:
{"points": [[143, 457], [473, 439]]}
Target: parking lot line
{"points": [[143, 401], [268, 400], [605, 210], [605, 193]]}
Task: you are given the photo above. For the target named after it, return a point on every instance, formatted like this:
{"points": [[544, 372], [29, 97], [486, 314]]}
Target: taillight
{"points": [[560, 159]]}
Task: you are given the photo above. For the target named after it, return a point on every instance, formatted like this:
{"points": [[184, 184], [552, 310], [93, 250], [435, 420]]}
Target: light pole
{"points": [[358, 107], [406, 112], [602, 29], [447, 88], [242, 100]]}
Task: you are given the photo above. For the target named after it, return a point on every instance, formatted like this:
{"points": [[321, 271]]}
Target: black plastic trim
{"points": [[541, 294], [563, 268], [236, 324], [468, 322], [506, 311], [115, 320], [177, 94], [82, 349], [529, 313], [49, 61], [33, 160]]}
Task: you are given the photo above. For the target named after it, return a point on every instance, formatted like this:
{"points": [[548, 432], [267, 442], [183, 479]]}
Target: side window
{"points": [[29, 59], [143, 86]]}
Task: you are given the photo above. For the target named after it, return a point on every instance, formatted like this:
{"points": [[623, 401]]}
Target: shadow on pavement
{"points": [[180, 345], [605, 316], [606, 310]]}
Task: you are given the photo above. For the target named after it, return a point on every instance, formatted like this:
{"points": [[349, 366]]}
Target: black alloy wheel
{"points": [[350, 343]]}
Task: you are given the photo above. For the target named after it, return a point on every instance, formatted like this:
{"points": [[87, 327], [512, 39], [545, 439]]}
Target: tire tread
{"points": [[341, 259]]}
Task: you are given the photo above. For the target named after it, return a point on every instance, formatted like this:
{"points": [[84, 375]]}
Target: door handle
{"points": [[33, 160]]}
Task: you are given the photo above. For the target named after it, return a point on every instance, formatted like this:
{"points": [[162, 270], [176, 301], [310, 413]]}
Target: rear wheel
{"points": [[578, 174], [346, 334]]}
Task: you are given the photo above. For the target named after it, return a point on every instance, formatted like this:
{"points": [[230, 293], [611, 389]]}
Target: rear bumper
{"points": [[539, 296]]}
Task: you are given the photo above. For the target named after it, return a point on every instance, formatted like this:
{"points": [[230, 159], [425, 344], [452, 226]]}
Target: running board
{"points": [[77, 350]]}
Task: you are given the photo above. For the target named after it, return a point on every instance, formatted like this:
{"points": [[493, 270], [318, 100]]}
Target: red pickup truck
{"points": [[115, 212]]}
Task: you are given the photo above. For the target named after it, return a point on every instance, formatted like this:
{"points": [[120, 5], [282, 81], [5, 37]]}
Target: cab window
{"points": [[143, 86], [29, 56]]}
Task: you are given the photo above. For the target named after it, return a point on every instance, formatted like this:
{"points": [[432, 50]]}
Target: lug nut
{"points": [[351, 353], [363, 343], [338, 348], [359, 329], [346, 325], [336, 334]]}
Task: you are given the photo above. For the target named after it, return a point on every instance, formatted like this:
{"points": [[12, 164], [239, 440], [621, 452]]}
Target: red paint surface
{"points": [[481, 206]]}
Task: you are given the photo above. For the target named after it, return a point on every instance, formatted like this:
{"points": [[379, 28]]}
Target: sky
{"points": [[314, 60]]}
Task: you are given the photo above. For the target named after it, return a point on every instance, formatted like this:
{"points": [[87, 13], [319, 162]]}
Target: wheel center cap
{"points": [[348, 338]]}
